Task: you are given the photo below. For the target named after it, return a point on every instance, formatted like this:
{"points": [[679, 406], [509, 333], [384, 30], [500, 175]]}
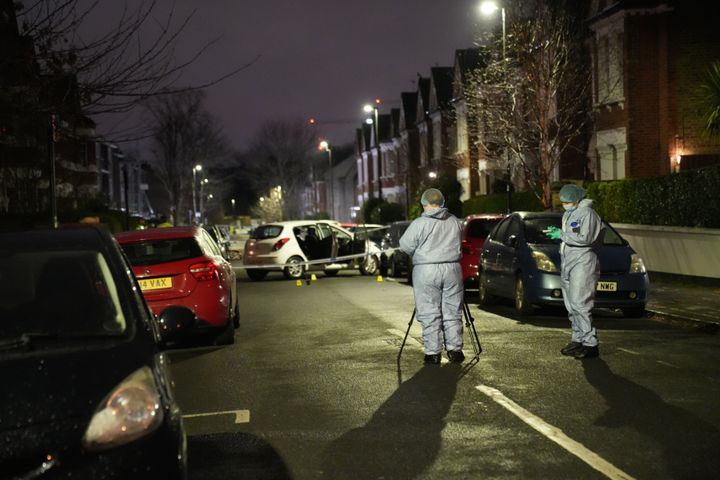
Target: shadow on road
{"points": [[230, 456], [689, 444], [403, 437]]}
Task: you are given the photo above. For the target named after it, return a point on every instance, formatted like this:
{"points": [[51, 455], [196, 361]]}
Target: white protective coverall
{"points": [[580, 269], [433, 241]]}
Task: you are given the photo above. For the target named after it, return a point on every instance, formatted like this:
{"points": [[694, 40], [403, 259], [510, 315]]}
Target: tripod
{"points": [[469, 323]]}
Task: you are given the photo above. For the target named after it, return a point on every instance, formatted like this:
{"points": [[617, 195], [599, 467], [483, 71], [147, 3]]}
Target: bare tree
{"points": [[183, 134], [533, 104], [131, 60], [281, 154]]}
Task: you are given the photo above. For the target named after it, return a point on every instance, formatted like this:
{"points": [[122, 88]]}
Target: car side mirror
{"points": [[175, 324]]}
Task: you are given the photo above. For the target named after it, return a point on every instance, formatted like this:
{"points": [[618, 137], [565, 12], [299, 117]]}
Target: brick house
{"points": [[646, 62]]}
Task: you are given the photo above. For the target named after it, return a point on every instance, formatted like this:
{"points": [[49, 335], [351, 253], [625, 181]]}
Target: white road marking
{"points": [[628, 351], [241, 416], [666, 364], [556, 435]]}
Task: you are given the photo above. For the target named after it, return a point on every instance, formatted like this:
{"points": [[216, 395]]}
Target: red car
{"points": [[475, 231], [183, 266]]}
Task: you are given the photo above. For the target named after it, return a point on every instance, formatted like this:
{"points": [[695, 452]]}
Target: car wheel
{"points": [[256, 275], [392, 268], [485, 298], [331, 273], [522, 306], [384, 267], [295, 269], [635, 312], [370, 265], [227, 336], [236, 317]]}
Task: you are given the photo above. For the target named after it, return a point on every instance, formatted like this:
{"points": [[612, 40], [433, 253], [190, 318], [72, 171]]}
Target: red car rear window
{"points": [[481, 228], [152, 252]]}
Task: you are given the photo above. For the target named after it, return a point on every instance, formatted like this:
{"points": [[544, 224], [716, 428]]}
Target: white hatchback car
{"points": [[297, 246]]}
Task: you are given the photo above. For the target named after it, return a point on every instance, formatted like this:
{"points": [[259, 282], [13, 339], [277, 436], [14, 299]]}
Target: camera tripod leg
{"points": [[406, 333], [470, 323]]}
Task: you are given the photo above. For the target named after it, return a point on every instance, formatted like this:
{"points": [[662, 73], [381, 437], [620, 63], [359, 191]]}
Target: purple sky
{"points": [[319, 58]]}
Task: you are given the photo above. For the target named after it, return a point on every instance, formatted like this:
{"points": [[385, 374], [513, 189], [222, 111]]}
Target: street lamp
{"points": [[487, 8], [326, 146], [232, 201], [196, 168], [203, 182], [374, 109]]}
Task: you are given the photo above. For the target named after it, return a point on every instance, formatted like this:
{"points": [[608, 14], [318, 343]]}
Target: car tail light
{"points": [[204, 271], [279, 244], [466, 247], [130, 411]]}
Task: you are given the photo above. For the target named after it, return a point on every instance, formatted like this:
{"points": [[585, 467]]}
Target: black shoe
{"points": [[456, 356], [433, 359], [570, 347], [585, 352]]}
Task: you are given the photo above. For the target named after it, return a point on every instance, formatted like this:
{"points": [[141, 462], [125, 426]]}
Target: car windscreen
{"points": [[58, 293], [266, 231], [534, 231], [151, 252]]}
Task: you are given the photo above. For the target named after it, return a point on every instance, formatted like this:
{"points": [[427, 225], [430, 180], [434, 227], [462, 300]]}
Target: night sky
{"points": [[316, 58]]}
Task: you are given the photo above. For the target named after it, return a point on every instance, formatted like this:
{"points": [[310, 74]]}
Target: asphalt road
{"points": [[312, 390]]}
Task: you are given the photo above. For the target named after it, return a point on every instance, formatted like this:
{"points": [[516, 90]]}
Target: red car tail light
{"points": [[204, 271], [466, 247], [279, 244]]}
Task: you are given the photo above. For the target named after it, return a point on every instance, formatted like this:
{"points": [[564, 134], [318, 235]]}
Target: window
{"points": [[266, 231], [161, 251]]}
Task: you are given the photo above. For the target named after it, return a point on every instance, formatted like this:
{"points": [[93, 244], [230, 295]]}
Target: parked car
{"points": [[393, 261], [86, 390], [220, 236], [375, 232], [184, 266], [476, 228], [297, 246], [518, 261]]}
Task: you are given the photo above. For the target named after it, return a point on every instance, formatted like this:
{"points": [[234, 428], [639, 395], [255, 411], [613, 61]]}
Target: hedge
{"points": [[685, 199], [497, 203]]}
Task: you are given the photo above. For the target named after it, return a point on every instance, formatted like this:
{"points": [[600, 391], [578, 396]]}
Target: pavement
{"points": [[684, 300]]}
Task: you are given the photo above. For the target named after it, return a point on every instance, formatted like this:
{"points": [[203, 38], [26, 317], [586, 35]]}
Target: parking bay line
{"points": [[556, 435], [241, 416]]}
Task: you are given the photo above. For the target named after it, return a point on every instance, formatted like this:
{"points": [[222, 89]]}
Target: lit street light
{"points": [[232, 201], [374, 109], [326, 146], [487, 8]]}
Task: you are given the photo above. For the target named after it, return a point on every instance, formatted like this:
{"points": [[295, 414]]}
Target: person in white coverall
{"points": [[433, 240], [581, 236]]}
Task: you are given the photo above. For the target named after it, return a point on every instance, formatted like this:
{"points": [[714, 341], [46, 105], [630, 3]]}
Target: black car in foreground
{"points": [[86, 392]]}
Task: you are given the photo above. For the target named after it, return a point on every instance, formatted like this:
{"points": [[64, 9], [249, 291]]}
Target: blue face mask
{"points": [[568, 206]]}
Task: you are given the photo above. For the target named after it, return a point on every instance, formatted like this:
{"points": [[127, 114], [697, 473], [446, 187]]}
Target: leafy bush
{"points": [[685, 199]]}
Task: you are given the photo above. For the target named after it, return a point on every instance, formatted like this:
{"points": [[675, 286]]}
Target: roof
{"points": [[442, 80], [74, 238], [409, 108], [156, 234]]}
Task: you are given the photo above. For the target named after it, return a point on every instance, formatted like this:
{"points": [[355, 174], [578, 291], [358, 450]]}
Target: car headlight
{"points": [[636, 264], [130, 411], [543, 262]]}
